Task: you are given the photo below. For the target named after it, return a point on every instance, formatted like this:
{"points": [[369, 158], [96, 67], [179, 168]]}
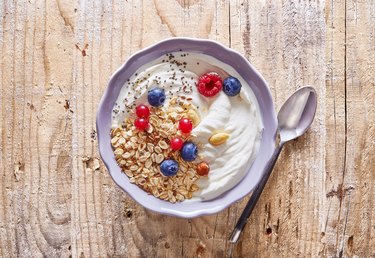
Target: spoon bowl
{"points": [[297, 114]]}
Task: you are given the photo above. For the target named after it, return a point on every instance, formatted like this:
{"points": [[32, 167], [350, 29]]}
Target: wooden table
{"points": [[57, 198]]}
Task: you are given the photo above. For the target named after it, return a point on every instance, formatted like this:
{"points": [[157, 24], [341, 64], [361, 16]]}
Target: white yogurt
{"points": [[237, 116]]}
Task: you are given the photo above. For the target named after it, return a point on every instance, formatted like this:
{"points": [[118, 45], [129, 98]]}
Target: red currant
{"points": [[185, 125], [176, 143], [141, 124], [142, 111]]}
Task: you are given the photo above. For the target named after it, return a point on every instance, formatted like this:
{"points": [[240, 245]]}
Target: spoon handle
{"points": [[255, 196]]}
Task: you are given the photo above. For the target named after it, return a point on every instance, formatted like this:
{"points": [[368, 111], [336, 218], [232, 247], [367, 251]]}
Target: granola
{"points": [[139, 154]]}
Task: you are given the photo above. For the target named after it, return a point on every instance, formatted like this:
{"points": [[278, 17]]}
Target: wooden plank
{"points": [[350, 130], [357, 225], [286, 42], [37, 77], [335, 125]]}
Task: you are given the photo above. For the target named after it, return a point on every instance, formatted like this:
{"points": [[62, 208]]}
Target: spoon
{"points": [[294, 118]]}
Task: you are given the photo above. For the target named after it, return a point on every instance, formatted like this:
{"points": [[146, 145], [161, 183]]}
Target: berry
{"points": [[176, 143], [142, 111], [209, 84], [189, 151], [156, 97], [231, 86], [169, 167], [141, 124], [203, 168], [185, 125]]}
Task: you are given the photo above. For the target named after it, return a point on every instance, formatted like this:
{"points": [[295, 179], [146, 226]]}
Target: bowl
{"points": [[262, 93]]}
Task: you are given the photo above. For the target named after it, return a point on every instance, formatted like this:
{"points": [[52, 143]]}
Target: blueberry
{"points": [[156, 97], [189, 151], [231, 86], [169, 167]]}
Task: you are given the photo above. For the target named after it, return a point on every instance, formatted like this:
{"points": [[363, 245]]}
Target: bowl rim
{"points": [[271, 131]]}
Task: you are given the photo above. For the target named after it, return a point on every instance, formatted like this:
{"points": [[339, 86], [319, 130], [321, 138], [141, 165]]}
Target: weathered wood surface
{"points": [[56, 197]]}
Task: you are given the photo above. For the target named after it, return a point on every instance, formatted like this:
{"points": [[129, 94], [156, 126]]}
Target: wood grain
{"points": [[56, 197]]}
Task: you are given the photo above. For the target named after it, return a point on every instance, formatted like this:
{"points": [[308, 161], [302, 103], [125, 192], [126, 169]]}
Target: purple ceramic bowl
{"points": [[249, 74]]}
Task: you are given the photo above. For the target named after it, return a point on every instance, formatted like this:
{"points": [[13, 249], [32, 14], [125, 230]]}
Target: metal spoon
{"points": [[294, 118]]}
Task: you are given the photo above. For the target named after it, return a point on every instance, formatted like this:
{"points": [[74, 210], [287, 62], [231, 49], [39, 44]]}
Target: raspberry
{"points": [[210, 84]]}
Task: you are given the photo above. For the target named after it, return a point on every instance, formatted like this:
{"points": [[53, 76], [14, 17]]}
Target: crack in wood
{"points": [[340, 192]]}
